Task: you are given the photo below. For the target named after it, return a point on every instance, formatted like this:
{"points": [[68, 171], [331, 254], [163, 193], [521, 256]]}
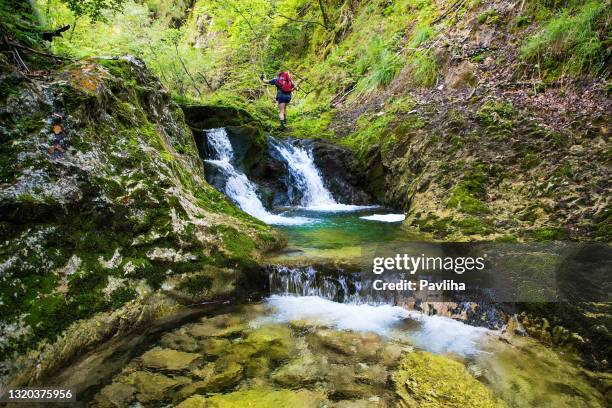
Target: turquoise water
{"points": [[338, 234]]}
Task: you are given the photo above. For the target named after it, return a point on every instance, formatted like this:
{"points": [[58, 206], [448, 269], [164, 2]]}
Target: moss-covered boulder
{"points": [[258, 398], [426, 380], [103, 201]]}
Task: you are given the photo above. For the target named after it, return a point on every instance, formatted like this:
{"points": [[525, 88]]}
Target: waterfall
{"points": [[307, 179], [238, 187]]}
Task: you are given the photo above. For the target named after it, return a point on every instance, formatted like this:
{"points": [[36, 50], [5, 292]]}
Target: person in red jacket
{"points": [[284, 87]]}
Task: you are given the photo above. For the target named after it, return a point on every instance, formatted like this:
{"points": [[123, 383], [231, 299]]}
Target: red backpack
{"points": [[284, 82]]}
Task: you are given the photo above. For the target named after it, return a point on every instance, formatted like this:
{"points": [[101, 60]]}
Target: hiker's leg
{"points": [[281, 110]]}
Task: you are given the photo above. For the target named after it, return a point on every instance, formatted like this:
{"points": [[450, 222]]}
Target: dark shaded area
{"points": [[209, 117]]}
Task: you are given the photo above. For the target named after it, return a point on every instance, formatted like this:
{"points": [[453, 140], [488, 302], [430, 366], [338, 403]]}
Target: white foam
{"points": [[385, 217], [434, 333], [238, 187]]}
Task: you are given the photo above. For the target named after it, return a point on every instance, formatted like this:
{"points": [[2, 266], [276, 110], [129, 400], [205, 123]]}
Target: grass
{"points": [[423, 67], [570, 43], [421, 33], [379, 65]]}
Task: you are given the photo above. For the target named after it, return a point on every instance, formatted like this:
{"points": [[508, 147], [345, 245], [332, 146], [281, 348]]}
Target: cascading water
{"points": [[307, 178], [237, 186], [302, 293]]}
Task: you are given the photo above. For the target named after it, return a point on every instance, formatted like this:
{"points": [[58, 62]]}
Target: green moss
{"points": [[548, 234], [461, 199], [497, 117], [471, 226], [430, 381], [603, 226], [196, 284]]}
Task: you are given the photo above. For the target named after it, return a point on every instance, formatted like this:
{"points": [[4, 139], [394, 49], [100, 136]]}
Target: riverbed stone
{"points": [[273, 342], [303, 371], [215, 346], [166, 359], [223, 379], [180, 340], [224, 325], [364, 345], [153, 387], [115, 395]]}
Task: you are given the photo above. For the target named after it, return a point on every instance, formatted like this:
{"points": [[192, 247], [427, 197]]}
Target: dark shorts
{"points": [[283, 98]]}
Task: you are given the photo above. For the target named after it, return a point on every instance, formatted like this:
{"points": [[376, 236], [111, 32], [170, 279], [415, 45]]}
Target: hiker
{"points": [[284, 87]]}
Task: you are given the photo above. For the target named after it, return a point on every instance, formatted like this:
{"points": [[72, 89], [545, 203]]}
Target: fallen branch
{"points": [[33, 51]]}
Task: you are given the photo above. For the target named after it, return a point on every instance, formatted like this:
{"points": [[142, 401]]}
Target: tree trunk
{"points": [[325, 20]]}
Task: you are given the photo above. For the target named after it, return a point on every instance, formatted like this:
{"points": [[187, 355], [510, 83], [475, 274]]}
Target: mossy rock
{"points": [[258, 398], [426, 380]]}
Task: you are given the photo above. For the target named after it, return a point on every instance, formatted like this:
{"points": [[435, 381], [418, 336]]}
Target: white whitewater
{"points": [[238, 187], [308, 180], [433, 333]]}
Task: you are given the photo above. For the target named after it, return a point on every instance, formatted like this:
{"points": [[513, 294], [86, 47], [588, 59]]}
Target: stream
{"points": [[313, 343]]}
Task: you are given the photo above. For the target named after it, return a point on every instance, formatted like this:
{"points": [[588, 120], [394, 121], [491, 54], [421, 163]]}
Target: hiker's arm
{"points": [[268, 81]]}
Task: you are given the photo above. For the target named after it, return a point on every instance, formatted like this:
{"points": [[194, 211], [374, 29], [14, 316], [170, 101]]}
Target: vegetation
{"points": [[573, 41]]}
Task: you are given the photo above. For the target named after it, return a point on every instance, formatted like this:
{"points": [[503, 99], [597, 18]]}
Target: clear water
{"points": [[339, 234]]}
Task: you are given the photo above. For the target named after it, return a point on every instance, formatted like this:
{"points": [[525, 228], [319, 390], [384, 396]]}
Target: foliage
{"points": [[94, 9], [20, 21], [570, 42]]}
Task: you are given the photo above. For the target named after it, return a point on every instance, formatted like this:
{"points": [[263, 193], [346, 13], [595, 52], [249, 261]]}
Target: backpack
{"points": [[284, 82]]}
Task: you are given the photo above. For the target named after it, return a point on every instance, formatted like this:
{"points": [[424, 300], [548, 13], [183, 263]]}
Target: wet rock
{"points": [[165, 359], [272, 342], [215, 346], [339, 171], [301, 372], [116, 395], [223, 378], [218, 326], [364, 345]]}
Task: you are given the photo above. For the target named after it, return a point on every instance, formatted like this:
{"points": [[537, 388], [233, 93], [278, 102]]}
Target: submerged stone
{"points": [[219, 326], [179, 340], [115, 395], [153, 387], [301, 372], [168, 359]]}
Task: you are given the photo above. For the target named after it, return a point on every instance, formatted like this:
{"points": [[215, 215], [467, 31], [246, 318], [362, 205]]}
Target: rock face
{"points": [[340, 172], [103, 200]]}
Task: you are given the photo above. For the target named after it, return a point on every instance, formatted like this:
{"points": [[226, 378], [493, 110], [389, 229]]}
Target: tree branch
{"points": [[302, 21]]}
